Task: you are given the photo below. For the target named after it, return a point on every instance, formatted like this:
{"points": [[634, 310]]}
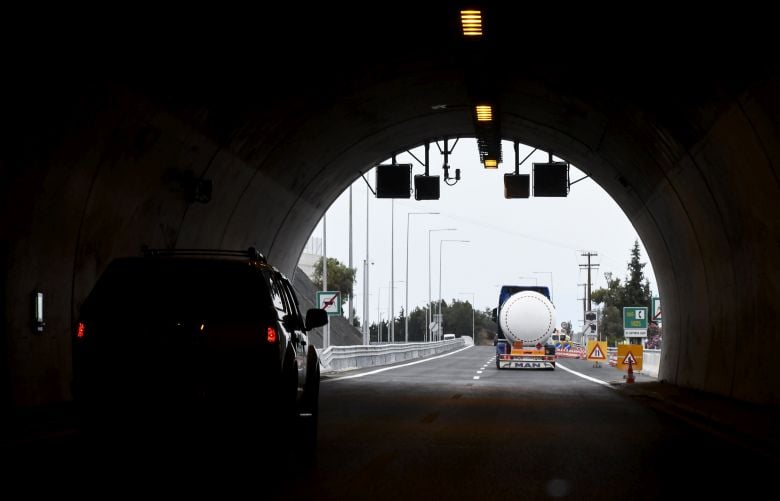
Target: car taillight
{"points": [[81, 330], [271, 335]]}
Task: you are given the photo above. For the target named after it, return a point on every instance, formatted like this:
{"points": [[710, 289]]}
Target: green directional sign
{"points": [[635, 317]]}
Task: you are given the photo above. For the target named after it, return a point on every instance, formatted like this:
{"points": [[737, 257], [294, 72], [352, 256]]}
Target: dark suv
{"points": [[210, 338]]}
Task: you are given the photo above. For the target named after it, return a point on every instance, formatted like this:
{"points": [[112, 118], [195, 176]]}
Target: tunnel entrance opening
{"points": [[510, 241]]}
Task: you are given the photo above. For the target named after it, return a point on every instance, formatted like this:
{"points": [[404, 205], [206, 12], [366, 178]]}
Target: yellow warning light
{"points": [[471, 20], [491, 163], [484, 113]]}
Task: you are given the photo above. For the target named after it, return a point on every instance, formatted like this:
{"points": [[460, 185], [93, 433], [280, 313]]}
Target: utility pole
{"points": [[584, 301], [589, 266]]}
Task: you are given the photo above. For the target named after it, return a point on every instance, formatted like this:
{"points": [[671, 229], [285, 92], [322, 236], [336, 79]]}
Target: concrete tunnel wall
{"points": [[87, 178]]}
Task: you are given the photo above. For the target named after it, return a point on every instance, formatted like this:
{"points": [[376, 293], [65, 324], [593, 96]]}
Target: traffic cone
{"points": [[630, 378]]}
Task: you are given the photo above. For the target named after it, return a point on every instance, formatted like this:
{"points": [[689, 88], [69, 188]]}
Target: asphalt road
{"points": [[434, 431], [453, 427]]}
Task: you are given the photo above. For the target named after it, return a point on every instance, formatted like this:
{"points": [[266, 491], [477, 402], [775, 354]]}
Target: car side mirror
{"points": [[316, 317], [493, 315]]}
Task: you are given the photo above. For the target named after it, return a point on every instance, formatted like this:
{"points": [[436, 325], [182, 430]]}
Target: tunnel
{"points": [[105, 139]]}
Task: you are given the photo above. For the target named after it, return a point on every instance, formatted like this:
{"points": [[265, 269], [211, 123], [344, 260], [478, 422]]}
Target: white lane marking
{"points": [[583, 376], [396, 366], [479, 372], [476, 377]]}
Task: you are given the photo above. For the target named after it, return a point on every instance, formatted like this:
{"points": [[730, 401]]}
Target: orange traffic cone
{"points": [[630, 378]]}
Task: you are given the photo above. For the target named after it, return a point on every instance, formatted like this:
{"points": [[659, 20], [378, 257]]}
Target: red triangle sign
{"points": [[629, 358], [597, 353]]}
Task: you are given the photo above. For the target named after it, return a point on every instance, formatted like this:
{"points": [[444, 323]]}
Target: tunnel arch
{"points": [[86, 171]]}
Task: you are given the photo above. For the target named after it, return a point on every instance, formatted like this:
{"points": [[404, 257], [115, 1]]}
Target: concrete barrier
{"points": [[651, 359], [340, 358]]}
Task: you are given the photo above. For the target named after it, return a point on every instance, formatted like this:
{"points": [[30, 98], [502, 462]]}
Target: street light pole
{"points": [[430, 309], [441, 244], [473, 299], [552, 298], [366, 329], [391, 337], [406, 310]]}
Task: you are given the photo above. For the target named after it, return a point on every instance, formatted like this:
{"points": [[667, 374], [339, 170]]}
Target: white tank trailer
{"points": [[526, 320]]}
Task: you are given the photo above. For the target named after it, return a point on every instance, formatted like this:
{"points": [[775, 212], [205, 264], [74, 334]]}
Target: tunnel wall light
{"points": [[471, 21], [38, 319]]}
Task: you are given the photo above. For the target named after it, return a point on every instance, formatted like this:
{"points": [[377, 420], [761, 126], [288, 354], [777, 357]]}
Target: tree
{"points": [[635, 292], [637, 289], [340, 277]]}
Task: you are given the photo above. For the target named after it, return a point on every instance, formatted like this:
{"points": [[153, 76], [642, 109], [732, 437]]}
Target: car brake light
{"points": [[271, 335], [81, 330]]}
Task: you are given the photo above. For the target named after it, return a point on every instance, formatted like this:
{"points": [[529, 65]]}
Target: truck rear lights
{"points": [[81, 330]]}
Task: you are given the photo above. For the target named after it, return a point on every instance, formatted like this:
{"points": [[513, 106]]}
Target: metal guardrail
{"points": [[339, 358]]}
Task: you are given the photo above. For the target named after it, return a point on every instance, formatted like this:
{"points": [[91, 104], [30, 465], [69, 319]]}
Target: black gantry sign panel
{"points": [[551, 179], [517, 185], [394, 181], [426, 187]]}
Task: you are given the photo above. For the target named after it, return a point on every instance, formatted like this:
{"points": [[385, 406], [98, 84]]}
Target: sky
{"points": [[511, 241]]}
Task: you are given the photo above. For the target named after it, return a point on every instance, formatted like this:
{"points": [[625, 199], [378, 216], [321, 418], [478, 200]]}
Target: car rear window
{"points": [[179, 288]]}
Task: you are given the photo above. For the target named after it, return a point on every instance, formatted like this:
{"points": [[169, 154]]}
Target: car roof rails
{"points": [[252, 253]]}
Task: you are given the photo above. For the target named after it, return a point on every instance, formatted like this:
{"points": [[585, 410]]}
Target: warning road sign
{"points": [[597, 350], [630, 352]]}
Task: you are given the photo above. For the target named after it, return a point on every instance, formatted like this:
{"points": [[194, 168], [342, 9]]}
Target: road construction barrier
{"points": [[650, 363], [570, 351]]}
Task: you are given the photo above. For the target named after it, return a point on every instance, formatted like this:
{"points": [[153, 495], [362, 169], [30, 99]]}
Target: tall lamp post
{"points": [[551, 284], [441, 245], [406, 310], [390, 316], [473, 298], [429, 309]]}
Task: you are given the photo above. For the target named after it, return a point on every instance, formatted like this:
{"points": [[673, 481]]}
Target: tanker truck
{"points": [[526, 319]]}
